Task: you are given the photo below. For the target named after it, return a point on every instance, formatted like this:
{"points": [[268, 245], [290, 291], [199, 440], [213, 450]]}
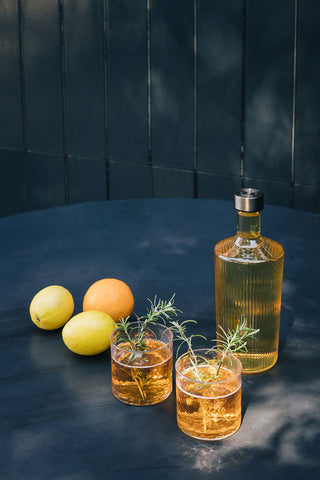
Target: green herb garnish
{"points": [[231, 341], [134, 337], [234, 341]]}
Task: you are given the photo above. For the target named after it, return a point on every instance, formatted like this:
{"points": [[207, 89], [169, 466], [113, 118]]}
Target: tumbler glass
{"points": [[142, 376], [208, 397]]}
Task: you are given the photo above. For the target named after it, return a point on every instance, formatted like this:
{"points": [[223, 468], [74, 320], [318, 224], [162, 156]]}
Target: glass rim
{"points": [[163, 326], [214, 382]]}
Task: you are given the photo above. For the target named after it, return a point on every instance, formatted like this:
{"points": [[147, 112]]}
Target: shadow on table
{"points": [[286, 322], [251, 382], [286, 448]]}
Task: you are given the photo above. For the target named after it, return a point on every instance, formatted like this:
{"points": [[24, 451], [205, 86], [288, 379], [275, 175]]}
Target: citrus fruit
{"points": [[88, 333], [51, 307], [111, 296]]}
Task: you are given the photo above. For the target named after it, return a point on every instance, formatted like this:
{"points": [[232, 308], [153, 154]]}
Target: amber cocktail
{"points": [[144, 376], [208, 405]]}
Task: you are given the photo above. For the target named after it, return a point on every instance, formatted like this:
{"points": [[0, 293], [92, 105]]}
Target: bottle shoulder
{"points": [[260, 249]]}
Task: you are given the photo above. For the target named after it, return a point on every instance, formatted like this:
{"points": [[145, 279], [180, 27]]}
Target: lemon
{"points": [[51, 307], [88, 333]]}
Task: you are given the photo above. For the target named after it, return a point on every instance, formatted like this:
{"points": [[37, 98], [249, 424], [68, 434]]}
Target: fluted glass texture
{"points": [[248, 284]]}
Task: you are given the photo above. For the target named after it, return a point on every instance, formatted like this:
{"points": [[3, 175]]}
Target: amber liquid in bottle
{"points": [[248, 284]]}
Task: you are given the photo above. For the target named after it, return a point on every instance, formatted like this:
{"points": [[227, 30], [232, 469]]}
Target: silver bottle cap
{"points": [[248, 200]]}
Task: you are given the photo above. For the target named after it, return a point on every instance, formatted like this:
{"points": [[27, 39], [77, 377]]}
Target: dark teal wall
{"points": [[110, 99]]}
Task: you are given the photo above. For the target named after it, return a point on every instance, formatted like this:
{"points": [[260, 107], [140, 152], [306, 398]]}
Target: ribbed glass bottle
{"points": [[248, 283]]}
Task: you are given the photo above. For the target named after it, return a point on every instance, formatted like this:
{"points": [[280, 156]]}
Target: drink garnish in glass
{"points": [[141, 356], [208, 385]]}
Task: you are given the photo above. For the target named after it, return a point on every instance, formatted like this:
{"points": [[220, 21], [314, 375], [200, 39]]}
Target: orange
{"points": [[110, 296]]}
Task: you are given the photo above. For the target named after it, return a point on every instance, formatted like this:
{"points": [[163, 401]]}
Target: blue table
{"points": [[59, 419]]}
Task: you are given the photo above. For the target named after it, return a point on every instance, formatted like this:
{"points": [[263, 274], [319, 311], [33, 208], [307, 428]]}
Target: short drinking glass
{"points": [[144, 376], [208, 400]]}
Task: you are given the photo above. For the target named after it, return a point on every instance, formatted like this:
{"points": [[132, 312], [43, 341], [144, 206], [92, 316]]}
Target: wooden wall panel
{"points": [[217, 186], [10, 77], [127, 87], [169, 183], [85, 77], [269, 89], [47, 180], [219, 86], [172, 82], [307, 134], [87, 180], [129, 181], [13, 190], [41, 57], [108, 99]]}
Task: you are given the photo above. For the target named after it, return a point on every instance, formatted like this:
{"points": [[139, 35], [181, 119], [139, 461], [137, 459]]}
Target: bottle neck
{"points": [[248, 225]]}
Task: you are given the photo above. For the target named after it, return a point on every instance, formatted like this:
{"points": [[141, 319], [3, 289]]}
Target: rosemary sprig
{"points": [[234, 341], [180, 330], [231, 341], [160, 310]]}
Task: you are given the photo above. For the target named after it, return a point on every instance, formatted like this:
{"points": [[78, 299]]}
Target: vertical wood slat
{"points": [[46, 173], [42, 64], [172, 63], [269, 93], [10, 93], [307, 137], [13, 184], [85, 89], [87, 179], [64, 102], [219, 101], [127, 85], [219, 71], [307, 125], [129, 180]]}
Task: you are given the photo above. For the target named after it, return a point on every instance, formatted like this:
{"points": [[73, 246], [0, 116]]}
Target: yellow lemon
{"points": [[52, 307], [88, 333]]}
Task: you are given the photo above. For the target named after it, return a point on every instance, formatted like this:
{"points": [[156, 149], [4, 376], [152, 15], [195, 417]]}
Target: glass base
{"points": [[257, 363], [142, 404], [212, 439]]}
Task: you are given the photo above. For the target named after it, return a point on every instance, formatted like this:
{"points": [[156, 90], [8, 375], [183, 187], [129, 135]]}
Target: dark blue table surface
{"points": [[59, 419]]}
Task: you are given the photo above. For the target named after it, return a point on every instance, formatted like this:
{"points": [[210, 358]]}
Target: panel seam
{"points": [[149, 106], [106, 105], [294, 93], [195, 81], [24, 112], [243, 92], [64, 104]]}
